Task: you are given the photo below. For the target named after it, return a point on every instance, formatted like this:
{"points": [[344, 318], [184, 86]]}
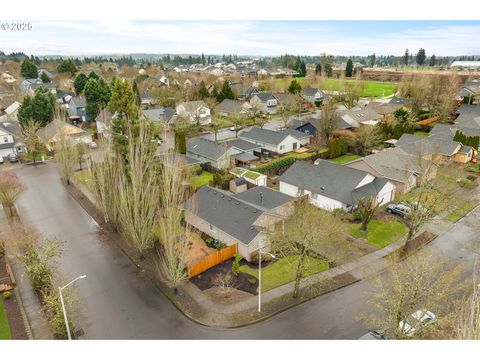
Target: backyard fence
{"points": [[211, 260]]}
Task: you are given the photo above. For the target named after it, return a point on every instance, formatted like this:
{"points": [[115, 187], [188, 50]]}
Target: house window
{"points": [[5, 139], [307, 132], [212, 228], [282, 147]]}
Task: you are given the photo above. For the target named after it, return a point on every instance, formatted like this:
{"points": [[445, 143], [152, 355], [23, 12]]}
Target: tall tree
{"points": [[366, 208], [372, 60], [136, 93], [349, 68], [226, 92], [97, 95], [44, 77], [406, 57], [67, 66], [421, 56], [39, 107], [318, 69], [65, 152], [79, 83], [203, 91], [10, 190], [29, 70], [327, 122], [294, 87], [34, 144], [433, 60]]}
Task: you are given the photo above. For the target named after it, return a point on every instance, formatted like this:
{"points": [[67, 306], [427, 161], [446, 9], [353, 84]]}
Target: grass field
{"points": [[371, 89], [5, 333], [460, 211], [283, 270], [379, 233], [203, 179], [344, 159]]}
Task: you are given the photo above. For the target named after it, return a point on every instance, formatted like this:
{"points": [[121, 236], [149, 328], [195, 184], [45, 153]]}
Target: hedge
{"points": [[276, 166]]}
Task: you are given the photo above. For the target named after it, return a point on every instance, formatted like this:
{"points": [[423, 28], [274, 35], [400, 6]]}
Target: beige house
{"points": [[50, 134]]}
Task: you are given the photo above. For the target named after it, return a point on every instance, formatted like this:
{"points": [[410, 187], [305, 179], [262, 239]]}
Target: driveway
{"points": [[118, 302]]}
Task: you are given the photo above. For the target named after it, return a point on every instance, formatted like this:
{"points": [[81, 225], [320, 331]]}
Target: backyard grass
{"points": [[344, 159], [421, 133], [251, 175], [283, 271], [5, 333], [460, 211], [200, 180], [305, 155], [379, 233]]}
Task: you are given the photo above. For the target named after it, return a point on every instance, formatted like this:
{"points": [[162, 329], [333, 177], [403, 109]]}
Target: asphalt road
{"points": [[118, 302]]}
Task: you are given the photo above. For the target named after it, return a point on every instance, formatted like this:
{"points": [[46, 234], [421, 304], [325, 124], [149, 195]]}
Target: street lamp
{"points": [[60, 288], [260, 277]]}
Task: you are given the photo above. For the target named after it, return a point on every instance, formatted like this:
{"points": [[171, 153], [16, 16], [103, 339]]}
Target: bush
{"points": [[466, 183], [219, 245], [197, 170], [275, 167], [236, 264], [254, 258], [7, 295], [337, 147], [252, 280], [54, 313]]}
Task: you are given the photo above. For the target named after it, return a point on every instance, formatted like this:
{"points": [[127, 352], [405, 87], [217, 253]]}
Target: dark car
{"points": [[13, 158], [399, 209]]}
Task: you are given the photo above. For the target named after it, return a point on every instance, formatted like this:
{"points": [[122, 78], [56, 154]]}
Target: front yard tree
{"points": [[34, 144], [97, 95], [203, 91], [285, 110], [421, 57], [226, 92], [29, 70], [308, 230], [82, 149], [433, 60], [422, 281], [366, 208], [40, 107], [173, 237], [65, 153], [327, 122], [10, 190], [79, 83], [367, 137], [44, 77], [349, 68]]}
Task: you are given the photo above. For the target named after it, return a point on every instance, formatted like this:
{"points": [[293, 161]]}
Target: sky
{"points": [[255, 38]]}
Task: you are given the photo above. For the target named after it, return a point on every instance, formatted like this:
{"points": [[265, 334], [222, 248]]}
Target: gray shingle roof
{"points": [[265, 96], [428, 145], [207, 148], [270, 136], [230, 106], [331, 180], [264, 197], [243, 145], [165, 114]]}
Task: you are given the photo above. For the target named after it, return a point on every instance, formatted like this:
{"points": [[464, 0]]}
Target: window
{"points": [[5, 139], [212, 228], [307, 132], [282, 147]]}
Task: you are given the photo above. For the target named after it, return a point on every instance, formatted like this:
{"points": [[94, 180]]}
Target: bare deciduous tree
{"points": [[421, 282], [366, 208], [65, 153], [10, 190], [33, 142], [327, 122]]}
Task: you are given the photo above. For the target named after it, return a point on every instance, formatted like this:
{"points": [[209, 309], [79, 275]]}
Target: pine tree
{"points": [[349, 68], [203, 91], [226, 92], [433, 60], [421, 56], [294, 87], [318, 69], [79, 83], [406, 57], [29, 70]]}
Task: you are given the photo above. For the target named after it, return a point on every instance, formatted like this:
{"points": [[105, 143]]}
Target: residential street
{"points": [[118, 302]]}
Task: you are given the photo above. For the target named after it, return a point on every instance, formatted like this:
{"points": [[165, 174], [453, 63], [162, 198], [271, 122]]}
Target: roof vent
{"points": [[322, 188], [229, 199], [223, 195], [215, 192], [237, 203]]}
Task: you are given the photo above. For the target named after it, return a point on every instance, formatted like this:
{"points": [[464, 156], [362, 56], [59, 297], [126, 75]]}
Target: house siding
{"points": [[318, 200]]}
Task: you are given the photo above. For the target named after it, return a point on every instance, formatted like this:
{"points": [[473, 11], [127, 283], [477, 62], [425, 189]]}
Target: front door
{"points": [[294, 146]]}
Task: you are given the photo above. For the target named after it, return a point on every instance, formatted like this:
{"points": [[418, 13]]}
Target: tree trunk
{"points": [[299, 275]]}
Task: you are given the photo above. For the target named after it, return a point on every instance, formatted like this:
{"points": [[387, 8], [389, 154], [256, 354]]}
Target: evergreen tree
{"points": [[421, 56], [202, 91], [294, 87], [39, 107], [226, 92], [29, 70], [79, 83], [406, 57], [203, 59], [67, 66], [215, 92], [433, 60], [97, 94], [136, 92], [349, 68], [328, 69], [318, 69], [372, 60], [44, 77], [303, 69]]}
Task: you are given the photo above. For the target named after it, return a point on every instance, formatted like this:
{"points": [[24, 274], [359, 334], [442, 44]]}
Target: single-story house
{"points": [[30, 85], [331, 186], [230, 107], [165, 115], [307, 125], [265, 101], [194, 111], [50, 134], [280, 142], [349, 119], [241, 219], [11, 138], [221, 155], [286, 99], [383, 108], [313, 95]]}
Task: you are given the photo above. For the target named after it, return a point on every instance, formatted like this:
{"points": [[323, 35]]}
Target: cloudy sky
{"points": [[245, 37]]}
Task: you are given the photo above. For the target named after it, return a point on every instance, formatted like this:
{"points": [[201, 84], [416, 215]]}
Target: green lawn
{"points": [[379, 233], [344, 159], [251, 175], [223, 122], [460, 211], [84, 177], [5, 333], [421, 133], [305, 155], [203, 179], [283, 270]]}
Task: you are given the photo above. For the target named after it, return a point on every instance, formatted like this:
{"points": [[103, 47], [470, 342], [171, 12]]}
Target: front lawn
{"points": [[5, 333], [379, 233], [460, 211], [344, 159], [200, 180], [283, 270]]}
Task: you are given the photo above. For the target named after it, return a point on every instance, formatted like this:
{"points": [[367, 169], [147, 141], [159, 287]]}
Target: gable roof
{"points": [[207, 148], [192, 106], [270, 137], [286, 98], [263, 197], [230, 106], [165, 114], [242, 145], [265, 96], [331, 180], [51, 130]]}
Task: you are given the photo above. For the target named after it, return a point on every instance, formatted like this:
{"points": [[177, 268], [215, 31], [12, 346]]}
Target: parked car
{"points": [[232, 128], [416, 321], [1, 160], [399, 209], [375, 335], [93, 145], [13, 158]]}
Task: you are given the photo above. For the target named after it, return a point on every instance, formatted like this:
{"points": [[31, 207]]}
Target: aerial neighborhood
{"points": [[238, 186]]}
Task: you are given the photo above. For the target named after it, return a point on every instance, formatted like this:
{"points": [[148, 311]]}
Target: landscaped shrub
{"points": [[337, 147], [7, 295], [275, 167], [219, 245], [252, 280], [466, 183], [197, 170], [254, 258], [236, 264]]}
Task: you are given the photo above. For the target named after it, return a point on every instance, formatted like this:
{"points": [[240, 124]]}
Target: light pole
{"points": [[260, 277], [60, 288]]}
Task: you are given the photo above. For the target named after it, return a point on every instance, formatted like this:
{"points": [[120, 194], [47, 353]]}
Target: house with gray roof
{"points": [[195, 112], [266, 102], [331, 186], [165, 115], [230, 107], [30, 85], [221, 155], [241, 219], [77, 110], [351, 119], [313, 95], [281, 142], [11, 138]]}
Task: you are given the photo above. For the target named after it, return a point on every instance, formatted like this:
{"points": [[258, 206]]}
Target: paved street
{"points": [[118, 302]]}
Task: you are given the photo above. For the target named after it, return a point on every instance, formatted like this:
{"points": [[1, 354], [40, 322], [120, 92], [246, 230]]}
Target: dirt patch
{"points": [[197, 248], [230, 297], [210, 278]]}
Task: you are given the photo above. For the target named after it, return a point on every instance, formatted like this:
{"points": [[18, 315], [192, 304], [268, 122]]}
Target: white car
{"points": [[232, 128], [416, 321], [1, 160]]}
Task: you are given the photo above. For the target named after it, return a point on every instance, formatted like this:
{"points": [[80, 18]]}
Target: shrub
{"points": [[54, 313], [254, 258], [197, 170], [236, 264], [219, 245], [337, 147], [252, 280], [275, 167], [7, 295], [466, 183]]}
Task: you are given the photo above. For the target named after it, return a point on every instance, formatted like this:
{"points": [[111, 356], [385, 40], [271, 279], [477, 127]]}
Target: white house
{"points": [[10, 139], [265, 101], [331, 186], [280, 142], [195, 111]]}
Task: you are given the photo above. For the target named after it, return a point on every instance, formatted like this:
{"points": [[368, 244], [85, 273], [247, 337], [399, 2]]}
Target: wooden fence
{"points": [[211, 260]]}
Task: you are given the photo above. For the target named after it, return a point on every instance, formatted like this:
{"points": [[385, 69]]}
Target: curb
{"points": [[26, 323]]}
